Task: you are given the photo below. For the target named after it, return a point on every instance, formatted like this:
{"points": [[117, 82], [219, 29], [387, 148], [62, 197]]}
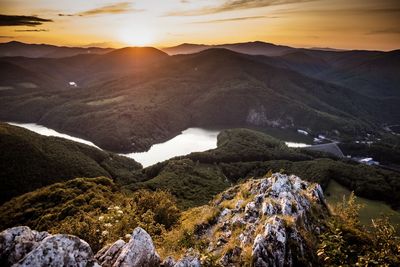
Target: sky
{"points": [[343, 24]]}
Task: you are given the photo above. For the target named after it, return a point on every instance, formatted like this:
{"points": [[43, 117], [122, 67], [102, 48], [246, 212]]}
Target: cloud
{"points": [[6, 37], [338, 10], [10, 20], [233, 19], [118, 8], [384, 31], [230, 5], [33, 30]]}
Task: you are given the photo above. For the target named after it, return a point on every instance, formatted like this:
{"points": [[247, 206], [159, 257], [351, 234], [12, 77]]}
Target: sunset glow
{"points": [[136, 36], [361, 24]]}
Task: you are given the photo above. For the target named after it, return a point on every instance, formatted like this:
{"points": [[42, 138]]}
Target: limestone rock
{"points": [[138, 252], [168, 262], [109, 254], [188, 261], [268, 225], [16, 242], [59, 250]]}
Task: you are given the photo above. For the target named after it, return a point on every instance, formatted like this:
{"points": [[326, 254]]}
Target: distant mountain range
{"points": [[251, 48], [14, 49], [128, 99]]}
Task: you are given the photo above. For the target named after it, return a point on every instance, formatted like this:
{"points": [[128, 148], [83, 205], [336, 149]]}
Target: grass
{"points": [[371, 208]]}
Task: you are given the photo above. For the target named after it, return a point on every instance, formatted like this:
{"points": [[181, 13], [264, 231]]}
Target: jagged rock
{"points": [[16, 242], [269, 248], [59, 250], [231, 256], [168, 262], [109, 254], [189, 261], [21, 246], [138, 252], [224, 213], [268, 228]]}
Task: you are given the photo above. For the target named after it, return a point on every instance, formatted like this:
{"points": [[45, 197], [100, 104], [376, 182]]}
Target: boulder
{"points": [[16, 242], [188, 261], [21, 246], [138, 252], [109, 254], [59, 250]]}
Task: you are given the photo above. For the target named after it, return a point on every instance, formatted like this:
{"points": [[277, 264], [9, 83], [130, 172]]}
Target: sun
{"points": [[137, 36]]}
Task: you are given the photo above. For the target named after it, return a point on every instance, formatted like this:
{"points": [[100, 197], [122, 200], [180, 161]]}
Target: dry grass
{"points": [[178, 240]]}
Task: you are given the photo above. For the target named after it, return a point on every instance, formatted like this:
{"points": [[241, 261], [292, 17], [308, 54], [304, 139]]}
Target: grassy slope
{"points": [[29, 161], [48, 206]]}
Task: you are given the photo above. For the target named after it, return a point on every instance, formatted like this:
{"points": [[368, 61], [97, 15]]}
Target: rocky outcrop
{"points": [[188, 261], [20, 246], [60, 250], [265, 222], [258, 116], [109, 254], [16, 242], [138, 252]]}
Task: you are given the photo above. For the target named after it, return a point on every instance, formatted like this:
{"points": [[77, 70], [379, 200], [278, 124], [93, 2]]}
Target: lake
{"points": [[188, 141], [50, 132]]}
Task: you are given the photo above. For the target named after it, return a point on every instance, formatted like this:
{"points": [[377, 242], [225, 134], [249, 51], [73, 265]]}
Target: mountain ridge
{"points": [[156, 92]]}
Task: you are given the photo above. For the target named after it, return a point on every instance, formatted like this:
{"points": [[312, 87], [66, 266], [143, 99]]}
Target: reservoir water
{"points": [[188, 141]]}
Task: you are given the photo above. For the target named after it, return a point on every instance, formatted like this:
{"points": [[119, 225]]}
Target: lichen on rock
{"points": [[21, 246], [266, 222], [138, 252]]}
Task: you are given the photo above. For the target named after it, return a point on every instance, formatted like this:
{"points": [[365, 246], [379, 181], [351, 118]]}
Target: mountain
{"points": [[33, 161], [14, 48], [185, 49], [16, 77], [165, 95], [370, 73], [251, 48], [84, 69]]}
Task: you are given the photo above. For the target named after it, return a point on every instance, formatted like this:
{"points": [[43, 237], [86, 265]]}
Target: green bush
{"points": [[92, 209], [346, 243]]}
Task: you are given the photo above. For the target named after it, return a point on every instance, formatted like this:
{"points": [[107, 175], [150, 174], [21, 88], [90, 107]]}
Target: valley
{"points": [[155, 96]]}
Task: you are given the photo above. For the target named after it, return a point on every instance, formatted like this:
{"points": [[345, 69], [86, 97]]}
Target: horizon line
{"points": [[201, 44]]}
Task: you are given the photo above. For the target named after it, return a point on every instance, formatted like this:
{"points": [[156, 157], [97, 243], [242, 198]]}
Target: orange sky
{"points": [[359, 24]]}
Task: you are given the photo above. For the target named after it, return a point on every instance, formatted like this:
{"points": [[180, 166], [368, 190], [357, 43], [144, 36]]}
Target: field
{"points": [[371, 208]]}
